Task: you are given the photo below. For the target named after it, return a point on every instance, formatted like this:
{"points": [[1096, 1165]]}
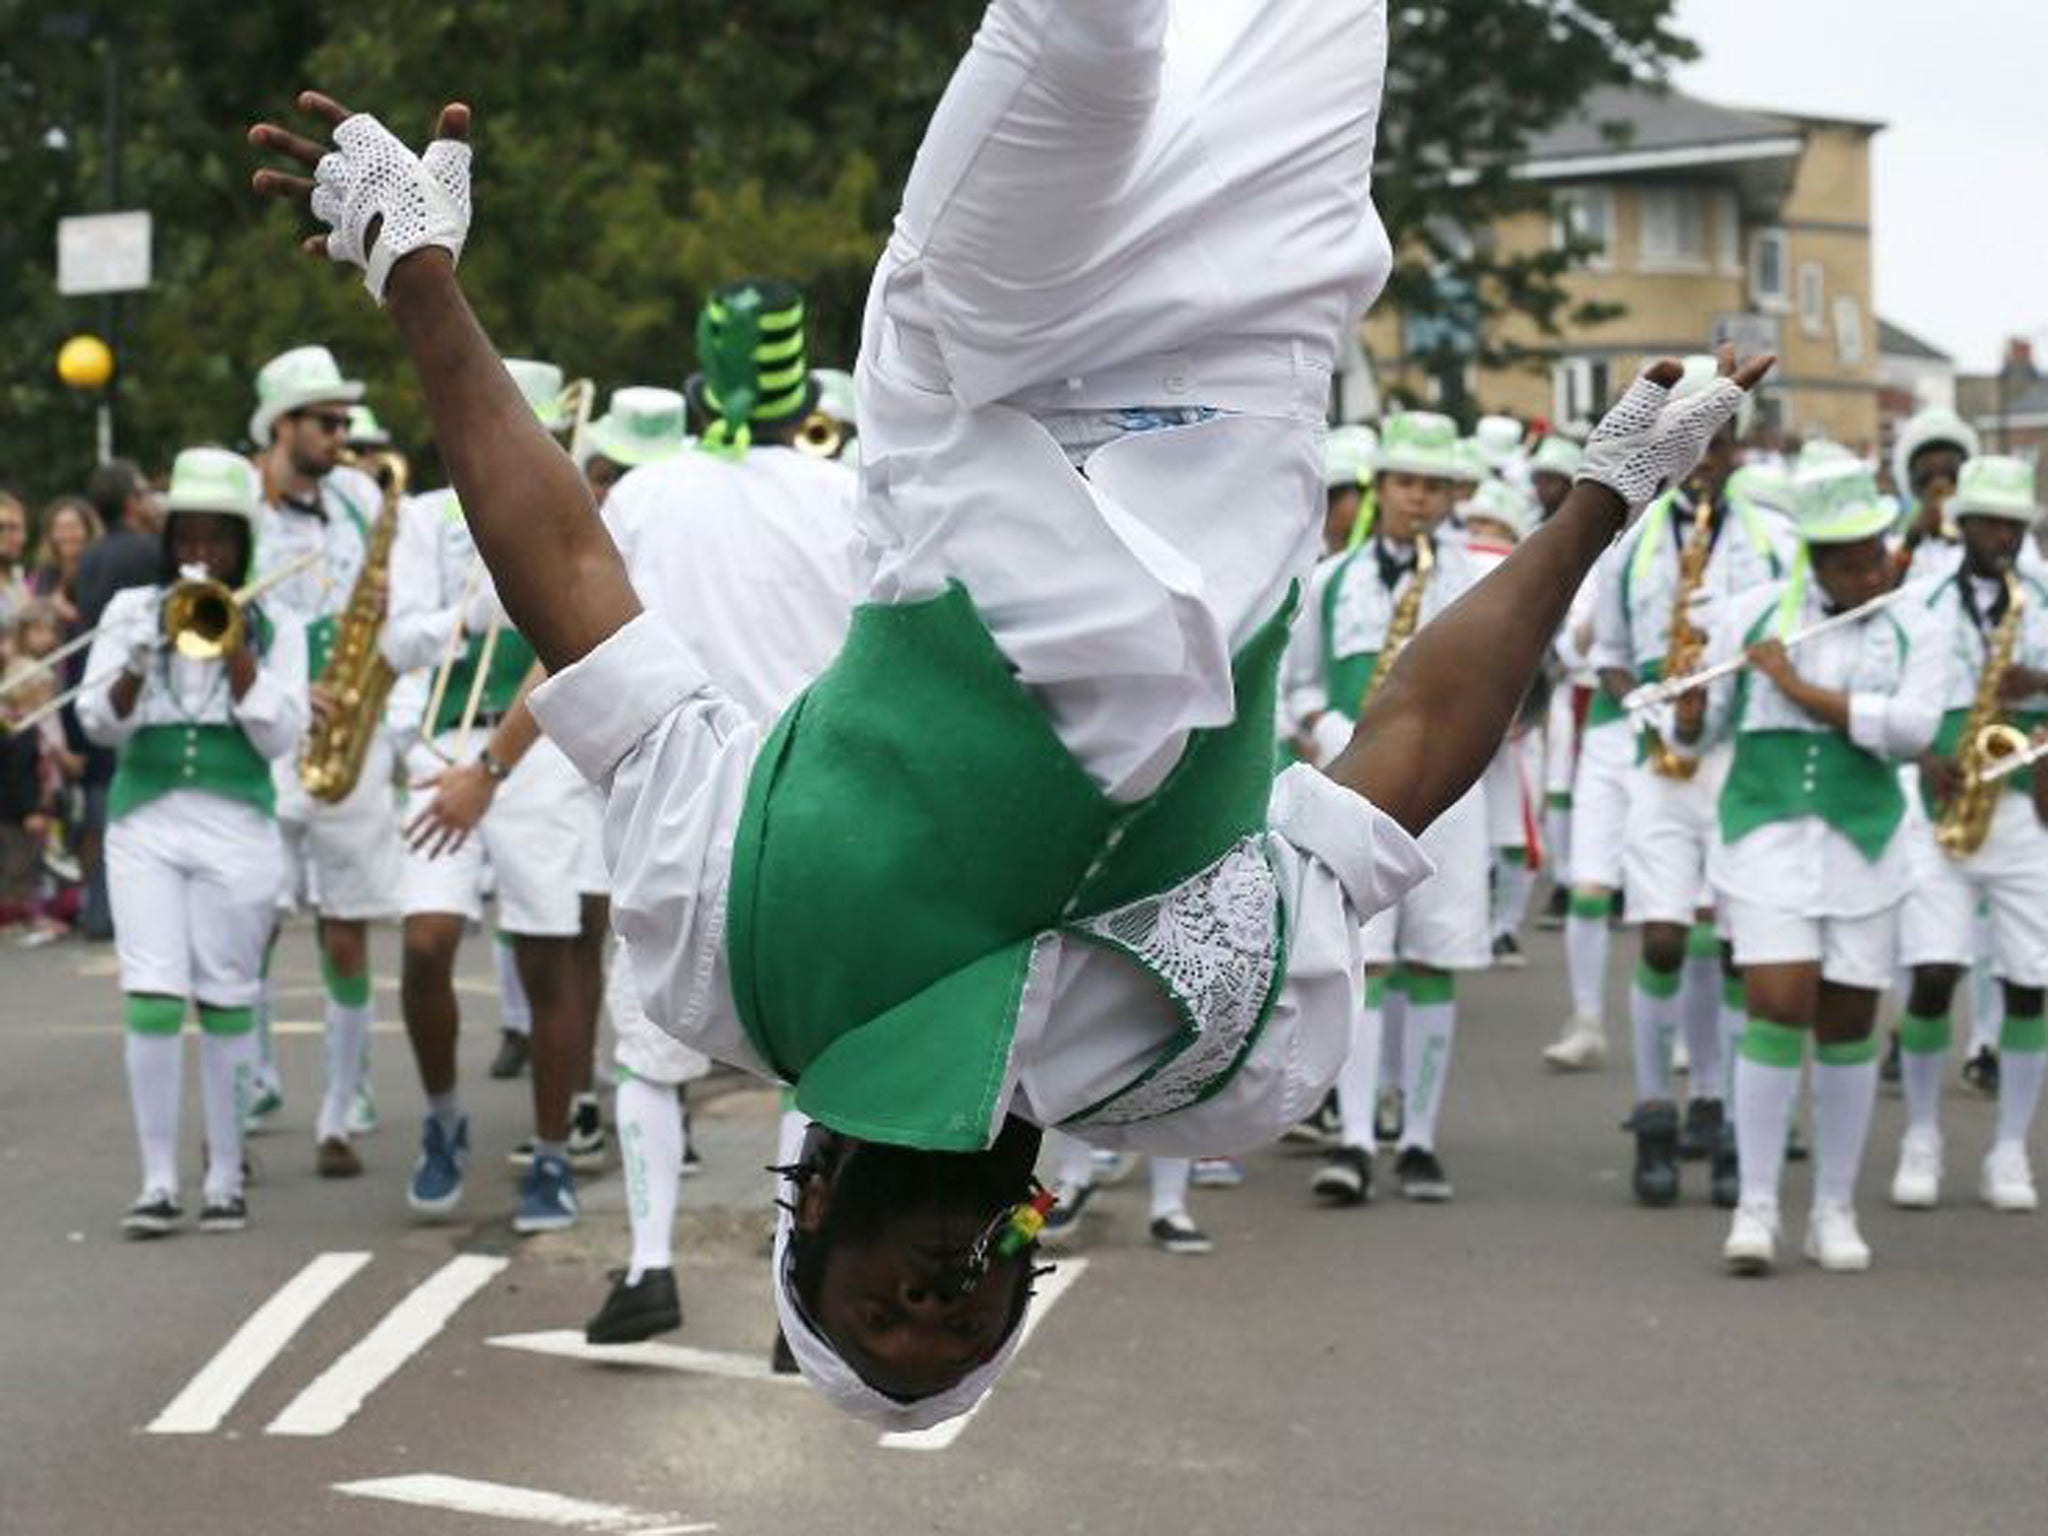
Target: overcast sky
{"points": [[1961, 174]]}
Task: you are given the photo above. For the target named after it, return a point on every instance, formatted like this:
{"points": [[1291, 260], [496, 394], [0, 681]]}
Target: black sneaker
{"points": [[1553, 915], [1725, 1181], [1656, 1173], [1422, 1176], [1702, 1129], [1346, 1179], [1795, 1145], [635, 1312], [781, 1358], [1889, 1071], [1389, 1117], [1981, 1071], [156, 1214], [1177, 1234], [693, 1160], [228, 1215], [1320, 1129], [1507, 952], [1063, 1221], [587, 1140], [514, 1052]]}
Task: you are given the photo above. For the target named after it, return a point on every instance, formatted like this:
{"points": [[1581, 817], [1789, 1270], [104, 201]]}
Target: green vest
{"points": [[912, 827], [1345, 678], [216, 759], [510, 662]]}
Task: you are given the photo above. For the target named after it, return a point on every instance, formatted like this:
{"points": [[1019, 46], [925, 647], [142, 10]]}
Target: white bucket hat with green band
{"points": [[1763, 485], [1996, 485], [1349, 455], [1557, 456], [1419, 443], [293, 380], [366, 429], [1839, 503], [643, 426], [540, 384], [1500, 437], [1498, 502], [1927, 429], [215, 480]]}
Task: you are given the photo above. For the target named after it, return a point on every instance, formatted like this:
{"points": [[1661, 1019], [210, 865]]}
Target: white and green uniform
{"points": [[193, 861], [539, 834]]}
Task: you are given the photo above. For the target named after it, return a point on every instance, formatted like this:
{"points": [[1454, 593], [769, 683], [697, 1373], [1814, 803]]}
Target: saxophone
{"points": [[1684, 646], [1406, 620], [356, 672], [1966, 820]]}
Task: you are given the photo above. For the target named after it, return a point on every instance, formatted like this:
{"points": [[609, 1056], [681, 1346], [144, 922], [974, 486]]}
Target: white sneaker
{"points": [[1917, 1184], [1832, 1240], [1581, 1048], [362, 1113], [2007, 1183], [1752, 1245]]}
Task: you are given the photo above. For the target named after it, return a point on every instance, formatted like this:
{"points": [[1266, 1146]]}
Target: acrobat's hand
{"points": [[379, 201], [1649, 442]]}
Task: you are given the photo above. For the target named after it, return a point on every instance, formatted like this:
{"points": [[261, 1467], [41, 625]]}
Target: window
{"points": [[1769, 284], [1849, 332], [1586, 215], [1728, 233], [1813, 306], [1674, 234], [1578, 389]]}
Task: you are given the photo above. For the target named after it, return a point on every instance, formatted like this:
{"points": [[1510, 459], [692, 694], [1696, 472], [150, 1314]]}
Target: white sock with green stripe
{"points": [[1358, 1080], [154, 1052], [1512, 882], [1766, 1087], [1653, 1016], [348, 1051], [227, 1082], [1557, 837], [1393, 1029], [1923, 1052], [1734, 1008], [1699, 1010], [1431, 1024], [651, 1157], [1586, 941], [2022, 1065], [1844, 1095]]}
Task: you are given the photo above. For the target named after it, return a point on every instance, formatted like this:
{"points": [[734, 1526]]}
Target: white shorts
{"points": [[193, 879], [344, 861], [1938, 924], [640, 1045], [1445, 922], [1671, 827], [1560, 741], [1852, 951], [1607, 757], [1510, 781], [592, 878], [536, 836]]}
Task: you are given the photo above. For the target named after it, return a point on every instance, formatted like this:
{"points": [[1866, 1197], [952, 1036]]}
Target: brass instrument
{"points": [[1684, 644], [356, 673], [577, 401], [1406, 620], [1986, 739], [1935, 503], [822, 436], [1666, 689]]}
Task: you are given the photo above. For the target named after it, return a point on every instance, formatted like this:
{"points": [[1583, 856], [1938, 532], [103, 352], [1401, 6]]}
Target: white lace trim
{"points": [[1213, 942]]}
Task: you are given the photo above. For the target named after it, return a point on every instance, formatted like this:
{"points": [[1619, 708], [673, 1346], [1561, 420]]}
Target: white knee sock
{"points": [[1699, 1015], [156, 1067], [1765, 1091], [1923, 1052], [1517, 881], [1844, 1094], [1429, 1029], [1733, 1010], [1358, 1080], [651, 1155], [2022, 1064], [227, 1077], [266, 1072], [514, 1011], [1393, 1033], [348, 1055], [1653, 1015], [1557, 843], [1585, 952], [1170, 1186]]}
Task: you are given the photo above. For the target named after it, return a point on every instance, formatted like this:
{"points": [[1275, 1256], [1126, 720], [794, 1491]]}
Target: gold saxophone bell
{"points": [[202, 620], [1997, 742], [821, 436]]}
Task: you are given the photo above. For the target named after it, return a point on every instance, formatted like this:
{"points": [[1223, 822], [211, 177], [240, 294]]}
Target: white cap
{"points": [[215, 480], [1500, 438], [1499, 502], [293, 380], [1924, 430]]}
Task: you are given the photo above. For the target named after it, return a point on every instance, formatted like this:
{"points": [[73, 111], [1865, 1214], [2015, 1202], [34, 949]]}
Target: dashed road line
{"points": [[507, 1501], [567, 1344]]}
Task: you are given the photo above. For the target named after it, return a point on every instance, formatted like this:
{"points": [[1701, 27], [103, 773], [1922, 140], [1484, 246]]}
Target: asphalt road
{"points": [[1539, 1356]]}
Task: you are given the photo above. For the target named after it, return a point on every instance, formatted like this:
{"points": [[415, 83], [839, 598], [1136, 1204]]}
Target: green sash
{"points": [[1345, 678]]}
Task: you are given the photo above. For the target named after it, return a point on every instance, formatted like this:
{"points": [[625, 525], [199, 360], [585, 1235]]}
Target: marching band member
{"points": [[1811, 864], [1551, 468], [1980, 844], [342, 859], [1694, 550], [192, 846], [1018, 858], [1927, 461]]}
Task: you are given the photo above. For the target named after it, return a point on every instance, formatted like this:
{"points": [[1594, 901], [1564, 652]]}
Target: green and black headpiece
{"points": [[755, 369]]}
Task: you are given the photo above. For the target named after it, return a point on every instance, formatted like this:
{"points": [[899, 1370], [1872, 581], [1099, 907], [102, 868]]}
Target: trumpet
{"points": [[1650, 695], [821, 436], [201, 619]]}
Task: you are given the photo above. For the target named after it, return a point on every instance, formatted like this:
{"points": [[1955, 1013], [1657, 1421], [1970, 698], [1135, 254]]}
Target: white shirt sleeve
{"points": [[274, 712], [1902, 724], [1612, 646], [417, 625], [129, 617]]}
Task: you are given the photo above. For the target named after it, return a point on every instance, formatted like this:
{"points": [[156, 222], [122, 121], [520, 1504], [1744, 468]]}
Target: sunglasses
{"points": [[328, 421]]}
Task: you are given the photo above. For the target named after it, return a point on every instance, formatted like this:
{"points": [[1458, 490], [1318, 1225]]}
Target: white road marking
{"points": [[211, 1395], [339, 1391], [940, 1436], [467, 1496], [567, 1344]]}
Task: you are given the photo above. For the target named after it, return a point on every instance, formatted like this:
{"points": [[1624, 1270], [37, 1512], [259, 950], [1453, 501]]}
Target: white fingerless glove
{"points": [[1649, 442], [370, 176]]}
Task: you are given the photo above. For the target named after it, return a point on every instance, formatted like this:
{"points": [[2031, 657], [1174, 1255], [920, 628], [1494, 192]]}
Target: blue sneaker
{"points": [[547, 1196], [436, 1187]]}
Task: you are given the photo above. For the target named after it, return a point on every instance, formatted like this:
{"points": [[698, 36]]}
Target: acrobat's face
{"points": [[1411, 505], [1852, 574]]}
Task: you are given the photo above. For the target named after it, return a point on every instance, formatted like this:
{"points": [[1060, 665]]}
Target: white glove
{"points": [[1649, 443], [1330, 735], [482, 610], [142, 654], [369, 175]]}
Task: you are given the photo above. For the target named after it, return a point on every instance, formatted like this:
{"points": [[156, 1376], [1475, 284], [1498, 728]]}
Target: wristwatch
{"points": [[494, 770]]}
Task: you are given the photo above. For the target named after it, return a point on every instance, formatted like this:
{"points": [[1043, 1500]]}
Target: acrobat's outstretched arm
{"points": [[1432, 728]]}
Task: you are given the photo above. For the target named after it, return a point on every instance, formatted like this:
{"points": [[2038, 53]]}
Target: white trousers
{"points": [[194, 880], [344, 860], [640, 1045]]}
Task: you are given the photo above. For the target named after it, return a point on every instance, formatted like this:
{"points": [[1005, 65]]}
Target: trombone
{"points": [[201, 620], [1650, 695]]}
